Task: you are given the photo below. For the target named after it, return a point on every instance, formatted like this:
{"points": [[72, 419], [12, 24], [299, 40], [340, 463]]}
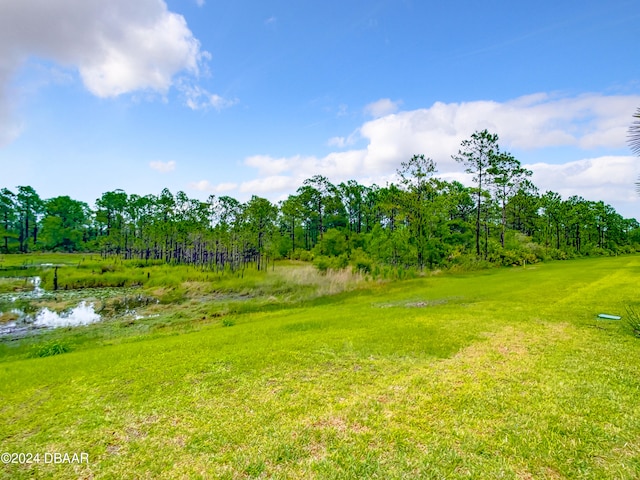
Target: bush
{"points": [[322, 263], [623, 249], [340, 262], [596, 252], [49, 349], [469, 262], [557, 254], [303, 255], [361, 261]]}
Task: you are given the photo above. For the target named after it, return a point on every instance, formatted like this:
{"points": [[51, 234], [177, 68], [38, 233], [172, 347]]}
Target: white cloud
{"points": [[200, 3], [163, 167], [207, 186], [609, 178], [267, 165], [217, 102], [342, 142], [197, 98], [273, 183], [202, 186], [339, 142], [382, 107], [225, 187], [338, 166], [532, 122], [10, 128], [527, 123], [118, 47]]}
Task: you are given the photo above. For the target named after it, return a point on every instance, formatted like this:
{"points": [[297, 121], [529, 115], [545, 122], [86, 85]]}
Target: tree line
{"points": [[421, 221]]}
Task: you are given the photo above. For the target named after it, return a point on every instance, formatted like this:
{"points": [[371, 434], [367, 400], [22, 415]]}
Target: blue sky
{"points": [[252, 97]]}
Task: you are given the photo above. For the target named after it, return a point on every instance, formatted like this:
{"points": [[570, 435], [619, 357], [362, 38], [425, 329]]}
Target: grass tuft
{"points": [[49, 349], [228, 322], [633, 320]]}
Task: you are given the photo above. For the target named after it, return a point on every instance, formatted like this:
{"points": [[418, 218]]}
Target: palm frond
{"points": [[633, 137]]}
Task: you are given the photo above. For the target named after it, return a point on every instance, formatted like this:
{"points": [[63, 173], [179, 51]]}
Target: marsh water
{"points": [[24, 315]]}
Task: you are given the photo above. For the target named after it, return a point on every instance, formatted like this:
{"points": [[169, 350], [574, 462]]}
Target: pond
{"points": [[22, 314]]}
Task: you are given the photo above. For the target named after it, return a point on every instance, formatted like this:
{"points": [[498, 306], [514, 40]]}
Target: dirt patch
{"points": [[418, 303], [340, 425], [427, 303]]}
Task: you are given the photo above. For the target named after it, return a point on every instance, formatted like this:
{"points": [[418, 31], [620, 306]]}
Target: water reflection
{"points": [[83, 314]]}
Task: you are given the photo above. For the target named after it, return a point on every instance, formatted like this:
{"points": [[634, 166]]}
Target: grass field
{"points": [[505, 373]]}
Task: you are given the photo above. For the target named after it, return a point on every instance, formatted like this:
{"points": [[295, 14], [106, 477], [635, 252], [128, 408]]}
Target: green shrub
{"points": [[594, 251], [361, 261], [556, 254], [469, 263], [303, 255], [322, 263], [340, 262], [376, 272], [623, 249], [49, 349]]}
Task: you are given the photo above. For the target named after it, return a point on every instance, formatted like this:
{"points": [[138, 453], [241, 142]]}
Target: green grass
{"points": [[505, 373]]}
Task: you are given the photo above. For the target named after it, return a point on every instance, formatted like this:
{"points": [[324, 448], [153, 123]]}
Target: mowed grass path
{"points": [[498, 374]]}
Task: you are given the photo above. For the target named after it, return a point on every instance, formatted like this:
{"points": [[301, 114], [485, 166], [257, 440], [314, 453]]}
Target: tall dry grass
{"points": [[330, 283]]}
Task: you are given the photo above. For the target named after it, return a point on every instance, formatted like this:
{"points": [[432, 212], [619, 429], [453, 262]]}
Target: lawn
{"points": [[505, 373]]}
